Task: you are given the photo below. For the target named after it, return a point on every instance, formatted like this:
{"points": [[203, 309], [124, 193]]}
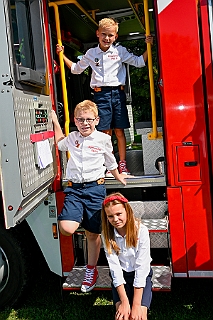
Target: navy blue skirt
{"points": [[129, 278]]}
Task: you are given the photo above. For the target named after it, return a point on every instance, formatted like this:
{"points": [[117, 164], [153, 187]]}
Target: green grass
{"points": [[189, 299], [137, 138]]}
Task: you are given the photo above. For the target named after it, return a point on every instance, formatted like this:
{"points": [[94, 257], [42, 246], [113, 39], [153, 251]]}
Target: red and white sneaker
{"points": [[122, 168], [108, 174], [90, 279]]}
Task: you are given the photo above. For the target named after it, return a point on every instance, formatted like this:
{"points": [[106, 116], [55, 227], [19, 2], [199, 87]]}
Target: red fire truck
{"points": [[173, 171]]}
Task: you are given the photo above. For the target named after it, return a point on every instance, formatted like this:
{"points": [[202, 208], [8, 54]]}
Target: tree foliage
{"points": [[140, 84]]}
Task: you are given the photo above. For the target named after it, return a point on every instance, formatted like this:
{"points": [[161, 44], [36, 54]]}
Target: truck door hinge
{"points": [[160, 82], [8, 83]]}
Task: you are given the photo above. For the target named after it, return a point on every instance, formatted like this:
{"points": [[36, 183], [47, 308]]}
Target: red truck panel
{"points": [[185, 131]]}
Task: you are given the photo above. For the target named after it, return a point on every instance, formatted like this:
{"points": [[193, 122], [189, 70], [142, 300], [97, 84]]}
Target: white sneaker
{"points": [[108, 174]]}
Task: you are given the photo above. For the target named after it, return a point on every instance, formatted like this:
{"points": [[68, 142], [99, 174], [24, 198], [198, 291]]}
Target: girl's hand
{"points": [[59, 49], [123, 311], [138, 312]]}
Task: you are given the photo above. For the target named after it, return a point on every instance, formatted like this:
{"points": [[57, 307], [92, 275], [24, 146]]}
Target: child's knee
{"points": [[119, 133], [92, 236], [67, 228]]}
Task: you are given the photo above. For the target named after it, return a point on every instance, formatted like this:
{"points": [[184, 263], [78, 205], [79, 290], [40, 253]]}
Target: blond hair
{"points": [[86, 105], [108, 22], [108, 230]]}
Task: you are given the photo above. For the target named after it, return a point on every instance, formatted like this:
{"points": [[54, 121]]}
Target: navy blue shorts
{"points": [[112, 110], [83, 205], [129, 278]]}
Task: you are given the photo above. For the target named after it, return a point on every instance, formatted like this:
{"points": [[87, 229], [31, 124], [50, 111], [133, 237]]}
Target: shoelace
{"points": [[89, 275]]}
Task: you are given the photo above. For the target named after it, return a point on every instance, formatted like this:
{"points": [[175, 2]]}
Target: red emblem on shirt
{"points": [[77, 144], [113, 56], [94, 149]]}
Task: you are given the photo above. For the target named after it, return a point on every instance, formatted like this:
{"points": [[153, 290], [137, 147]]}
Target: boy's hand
{"points": [[149, 39], [58, 132], [122, 178], [59, 49], [53, 117]]}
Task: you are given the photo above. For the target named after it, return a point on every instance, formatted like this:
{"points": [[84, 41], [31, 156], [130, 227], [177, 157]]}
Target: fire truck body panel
{"points": [[42, 221], [28, 92], [186, 136], [206, 20], [25, 108]]}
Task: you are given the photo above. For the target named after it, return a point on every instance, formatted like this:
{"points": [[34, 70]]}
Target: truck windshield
{"points": [[28, 40], [22, 33]]}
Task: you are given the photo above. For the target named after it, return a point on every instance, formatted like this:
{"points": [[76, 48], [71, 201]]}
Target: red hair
{"points": [[108, 229]]}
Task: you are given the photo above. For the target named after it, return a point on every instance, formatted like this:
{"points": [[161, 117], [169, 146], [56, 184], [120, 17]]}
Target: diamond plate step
{"points": [[137, 181], [161, 278], [156, 225], [76, 275], [153, 215], [158, 232], [149, 209]]}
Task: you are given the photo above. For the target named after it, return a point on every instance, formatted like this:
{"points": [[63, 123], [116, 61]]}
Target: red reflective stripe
{"points": [[35, 137]]}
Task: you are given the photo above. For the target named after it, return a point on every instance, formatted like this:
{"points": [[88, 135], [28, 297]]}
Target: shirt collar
{"points": [[91, 135], [111, 49], [117, 235]]}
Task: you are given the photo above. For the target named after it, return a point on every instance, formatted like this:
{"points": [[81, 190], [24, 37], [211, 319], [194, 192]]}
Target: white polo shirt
{"points": [[88, 155], [108, 67], [136, 259]]}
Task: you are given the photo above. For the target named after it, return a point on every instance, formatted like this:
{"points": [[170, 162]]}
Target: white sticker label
{"points": [[162, 4]]}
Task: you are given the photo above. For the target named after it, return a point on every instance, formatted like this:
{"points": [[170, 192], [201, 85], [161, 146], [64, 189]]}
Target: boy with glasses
{"points": [[90, 151]]}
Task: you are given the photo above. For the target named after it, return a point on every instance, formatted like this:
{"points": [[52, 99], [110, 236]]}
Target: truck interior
{"points": [[73, 25]]}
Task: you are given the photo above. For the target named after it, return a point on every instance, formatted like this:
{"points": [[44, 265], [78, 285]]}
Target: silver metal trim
{"points": [[200, 274]]}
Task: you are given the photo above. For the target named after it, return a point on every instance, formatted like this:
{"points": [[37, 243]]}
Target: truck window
{"points": [[28, 42]]}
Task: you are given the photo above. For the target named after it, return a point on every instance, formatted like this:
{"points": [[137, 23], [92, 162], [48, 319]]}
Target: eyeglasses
{"points": [[89, 121]]}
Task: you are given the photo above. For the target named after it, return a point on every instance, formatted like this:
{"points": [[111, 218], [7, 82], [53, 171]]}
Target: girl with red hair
{"points": [[127, 248]]}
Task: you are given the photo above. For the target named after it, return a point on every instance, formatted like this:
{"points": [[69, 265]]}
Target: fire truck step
{"points": [[161, 278], [156, 225], [149, 209], [158, 231], [137, 181]]}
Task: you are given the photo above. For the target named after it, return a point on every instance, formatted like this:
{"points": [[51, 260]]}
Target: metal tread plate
{"points": [[76, 275], [156, 225], [161, 278], [149, 209], [137, 181]]}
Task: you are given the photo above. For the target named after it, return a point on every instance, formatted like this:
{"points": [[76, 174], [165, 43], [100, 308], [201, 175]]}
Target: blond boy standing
{"points": [[108, 80]]}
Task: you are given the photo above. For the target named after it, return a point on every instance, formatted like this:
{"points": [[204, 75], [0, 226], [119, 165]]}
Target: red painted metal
{"points": [[187, 164], [177, 230], [66, 243], [186, 138], [208, 67], [57, 182]]}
